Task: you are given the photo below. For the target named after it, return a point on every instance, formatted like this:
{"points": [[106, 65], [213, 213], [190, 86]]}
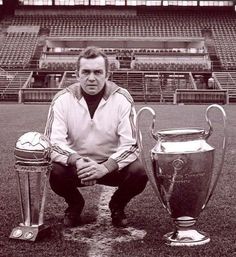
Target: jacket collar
{"points": [[111, 88]]}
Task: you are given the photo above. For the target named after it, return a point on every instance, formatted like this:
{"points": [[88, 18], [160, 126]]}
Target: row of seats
{"points": [[194, 66], [91, 31], [226, 49], [146, 24], [171, 66], [66, 66], [18, 48], [161, 17], [137, 51]]}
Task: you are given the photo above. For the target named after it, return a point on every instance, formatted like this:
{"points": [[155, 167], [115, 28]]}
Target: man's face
{"points": [[92, 74]]}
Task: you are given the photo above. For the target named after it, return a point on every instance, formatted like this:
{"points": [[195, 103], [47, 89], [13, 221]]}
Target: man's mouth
{"points": [[91, 85]]}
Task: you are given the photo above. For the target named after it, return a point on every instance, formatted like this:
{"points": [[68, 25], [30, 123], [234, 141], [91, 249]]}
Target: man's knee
{"points": [[60, 174], [137, 171], [64, 182]]}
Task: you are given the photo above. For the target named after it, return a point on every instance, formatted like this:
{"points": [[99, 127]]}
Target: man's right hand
{"points": [[89, 170], [80, 164]]}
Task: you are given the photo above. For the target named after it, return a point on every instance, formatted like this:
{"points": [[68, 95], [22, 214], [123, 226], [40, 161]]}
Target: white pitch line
{"points": [[102, 235]]}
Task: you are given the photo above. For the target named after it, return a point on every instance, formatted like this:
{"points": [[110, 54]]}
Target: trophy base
{"points": [[189, 237], [30, 233]]}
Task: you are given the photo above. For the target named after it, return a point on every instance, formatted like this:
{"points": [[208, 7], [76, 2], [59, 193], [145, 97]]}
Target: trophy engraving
{"points": [[181, 175], [32, 167]]}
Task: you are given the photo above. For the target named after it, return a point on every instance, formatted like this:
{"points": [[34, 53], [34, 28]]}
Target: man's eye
{"points": [[98, 72], [85, 72]]}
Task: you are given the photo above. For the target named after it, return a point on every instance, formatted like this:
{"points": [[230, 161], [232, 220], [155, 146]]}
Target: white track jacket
{"points": [[109, 135]]}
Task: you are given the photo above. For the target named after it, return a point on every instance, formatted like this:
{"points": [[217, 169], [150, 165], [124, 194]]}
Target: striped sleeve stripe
{"points": [[127, 153], [49, 124], [57, 149], [51, 114], [126, 94], [131, 119], [60, 93]]}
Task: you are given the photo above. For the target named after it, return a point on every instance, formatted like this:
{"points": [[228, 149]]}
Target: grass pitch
{"points": [[144, 212]]}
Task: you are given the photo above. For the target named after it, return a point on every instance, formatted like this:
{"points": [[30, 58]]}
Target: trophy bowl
{"points": [[181, 174]]}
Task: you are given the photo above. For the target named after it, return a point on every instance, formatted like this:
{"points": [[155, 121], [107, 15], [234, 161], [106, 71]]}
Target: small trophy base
{"points": [[30, 233], [189, 237]]}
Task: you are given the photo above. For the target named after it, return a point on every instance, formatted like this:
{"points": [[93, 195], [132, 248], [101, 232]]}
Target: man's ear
{"points": [[77, 75]]}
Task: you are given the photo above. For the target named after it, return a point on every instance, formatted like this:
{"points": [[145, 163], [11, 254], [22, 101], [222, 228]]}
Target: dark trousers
{"points": [[130, 181]]}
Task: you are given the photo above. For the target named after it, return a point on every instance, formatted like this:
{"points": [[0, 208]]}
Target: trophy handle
{"points": [[207, 135], [140, 145], [149, 109]]}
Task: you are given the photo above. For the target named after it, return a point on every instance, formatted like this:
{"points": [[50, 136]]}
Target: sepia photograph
{"points": [[117, 128]]}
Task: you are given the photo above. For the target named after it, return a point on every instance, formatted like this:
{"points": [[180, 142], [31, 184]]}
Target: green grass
{"points": [[144, 212]]}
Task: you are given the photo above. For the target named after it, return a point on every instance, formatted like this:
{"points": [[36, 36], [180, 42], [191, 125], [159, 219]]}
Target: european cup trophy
{"points": [[32, 167], [180, 171]]}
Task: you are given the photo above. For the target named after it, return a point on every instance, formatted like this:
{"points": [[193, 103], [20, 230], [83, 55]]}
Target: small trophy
{"points": [[32, 166], [180, 171]]}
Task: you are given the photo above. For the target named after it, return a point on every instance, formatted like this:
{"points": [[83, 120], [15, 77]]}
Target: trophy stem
{"points": [[185, 234], [32, 187], [20, 196], [28, 201], [43, 199]]}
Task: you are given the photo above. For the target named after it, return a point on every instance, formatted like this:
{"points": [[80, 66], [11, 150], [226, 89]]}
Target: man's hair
{"points": [[91, 52]]}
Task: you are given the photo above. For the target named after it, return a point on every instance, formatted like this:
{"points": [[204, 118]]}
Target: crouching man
{"points": [[91, 127]]}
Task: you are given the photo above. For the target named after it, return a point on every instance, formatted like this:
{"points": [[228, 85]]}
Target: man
{"points": [[91, 127]]}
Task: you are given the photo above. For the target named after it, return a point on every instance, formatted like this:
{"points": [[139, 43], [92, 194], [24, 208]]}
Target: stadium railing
{"points": [[201, 96], [181, 96], [37, 95]]}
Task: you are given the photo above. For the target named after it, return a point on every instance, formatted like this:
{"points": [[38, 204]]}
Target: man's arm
{"points": [[57, 132], [127, 151]]}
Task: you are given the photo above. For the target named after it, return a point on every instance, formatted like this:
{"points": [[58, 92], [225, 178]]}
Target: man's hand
{"points": [[89, 171]]}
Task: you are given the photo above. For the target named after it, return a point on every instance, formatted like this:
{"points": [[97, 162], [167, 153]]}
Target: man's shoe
{"points": [[72, 217], [118, 216]]}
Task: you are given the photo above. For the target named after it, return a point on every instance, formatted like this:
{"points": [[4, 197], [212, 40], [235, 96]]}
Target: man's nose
{"points": [[91, 76]]}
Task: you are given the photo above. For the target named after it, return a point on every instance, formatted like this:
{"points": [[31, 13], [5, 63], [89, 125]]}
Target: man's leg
{"points": [[64, 182], [131, 181]]}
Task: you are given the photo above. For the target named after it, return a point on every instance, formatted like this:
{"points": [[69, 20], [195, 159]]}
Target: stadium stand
{"points": [[157, 53], [19, 46]]}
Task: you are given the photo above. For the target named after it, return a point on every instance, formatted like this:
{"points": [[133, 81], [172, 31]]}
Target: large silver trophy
{"points": [[181, 174], [32, 167]]}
